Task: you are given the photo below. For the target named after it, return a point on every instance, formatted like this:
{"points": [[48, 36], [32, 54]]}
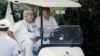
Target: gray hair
{"points": [[27, 11]]}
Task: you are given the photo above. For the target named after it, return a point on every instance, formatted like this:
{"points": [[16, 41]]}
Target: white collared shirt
{"points": [[48, 24], [20, 30], [8, 46]]}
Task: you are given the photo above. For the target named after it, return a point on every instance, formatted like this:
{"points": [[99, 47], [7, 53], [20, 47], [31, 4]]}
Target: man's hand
{"points": [[35, 39], [15, 55], [52, 30], [49, 30]]}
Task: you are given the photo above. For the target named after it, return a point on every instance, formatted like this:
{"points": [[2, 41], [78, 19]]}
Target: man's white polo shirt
{"points": [[8, 46], [23, 30], [48, 24]]}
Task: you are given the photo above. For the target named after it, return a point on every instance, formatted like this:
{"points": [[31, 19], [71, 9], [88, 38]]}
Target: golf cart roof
{"points": [[49, 3]]}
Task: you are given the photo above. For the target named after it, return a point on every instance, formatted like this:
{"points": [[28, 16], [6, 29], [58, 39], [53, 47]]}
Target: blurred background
{"points": [[89, 15]]}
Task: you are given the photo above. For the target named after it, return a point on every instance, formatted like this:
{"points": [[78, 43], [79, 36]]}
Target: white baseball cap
{"points": [[4, 23]]}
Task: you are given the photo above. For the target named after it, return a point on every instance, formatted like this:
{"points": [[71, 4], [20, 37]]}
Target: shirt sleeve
{"points": [[15, 28], [37, 22], [15, 49], [54, 22], [37, 33]]}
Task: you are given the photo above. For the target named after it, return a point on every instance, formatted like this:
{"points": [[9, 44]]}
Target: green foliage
{"points": [[3, 6], [58, 17]]}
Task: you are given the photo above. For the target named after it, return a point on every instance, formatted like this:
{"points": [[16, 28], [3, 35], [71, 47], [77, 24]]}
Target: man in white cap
{"points": [[8, 46], [26, 32]]}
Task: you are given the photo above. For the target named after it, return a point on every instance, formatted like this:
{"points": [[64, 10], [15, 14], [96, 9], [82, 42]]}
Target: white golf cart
{"points": [[66, 39]]}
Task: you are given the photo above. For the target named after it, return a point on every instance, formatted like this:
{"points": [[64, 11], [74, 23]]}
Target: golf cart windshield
{"points": [[66, 35]]}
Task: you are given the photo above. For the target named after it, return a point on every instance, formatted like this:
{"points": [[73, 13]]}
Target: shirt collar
{"points": [[27, 22]]}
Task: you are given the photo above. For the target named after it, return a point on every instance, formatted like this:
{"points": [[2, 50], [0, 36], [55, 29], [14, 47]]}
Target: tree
{"points": [[3, 7]]}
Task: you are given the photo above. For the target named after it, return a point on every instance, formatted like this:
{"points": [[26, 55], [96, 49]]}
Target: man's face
{"points": [[29, 17], [46, 13]]}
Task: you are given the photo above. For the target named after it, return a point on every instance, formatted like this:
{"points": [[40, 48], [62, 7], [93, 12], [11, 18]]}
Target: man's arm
{"points": [[54, 26], [13, 30], [35, 39], [36, 36], [15, 55], [15, 50], [48, 30], [10, 33], [54, 23]]}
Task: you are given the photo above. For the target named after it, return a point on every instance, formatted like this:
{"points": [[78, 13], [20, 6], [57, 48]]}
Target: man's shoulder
{"points": [[38, 17], [51, 17], [12, 41], [19, 23]]}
